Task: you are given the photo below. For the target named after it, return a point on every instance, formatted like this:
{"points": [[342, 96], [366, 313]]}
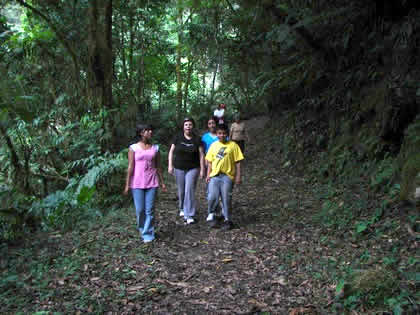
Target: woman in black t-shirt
{"points": [[186, 162]]}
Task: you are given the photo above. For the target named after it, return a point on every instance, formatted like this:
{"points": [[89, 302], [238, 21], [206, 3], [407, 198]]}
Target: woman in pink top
{"points": [[143, 177]]}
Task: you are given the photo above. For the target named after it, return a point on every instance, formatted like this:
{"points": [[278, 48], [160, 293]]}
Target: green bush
{"points": [[410, 157]]}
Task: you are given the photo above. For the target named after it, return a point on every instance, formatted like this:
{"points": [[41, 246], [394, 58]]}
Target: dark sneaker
{"points": [[227, 225]]}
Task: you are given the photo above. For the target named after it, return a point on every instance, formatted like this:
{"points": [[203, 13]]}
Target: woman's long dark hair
{"points": [[140, 128]]}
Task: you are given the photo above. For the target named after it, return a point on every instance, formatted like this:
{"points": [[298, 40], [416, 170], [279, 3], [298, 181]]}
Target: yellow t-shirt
{"points": [[223, 157]]}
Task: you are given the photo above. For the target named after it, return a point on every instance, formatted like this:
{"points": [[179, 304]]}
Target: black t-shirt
{"points": [[186, 152]]}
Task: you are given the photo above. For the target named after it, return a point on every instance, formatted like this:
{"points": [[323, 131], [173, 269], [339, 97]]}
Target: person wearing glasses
{"points": [[186, 162]]}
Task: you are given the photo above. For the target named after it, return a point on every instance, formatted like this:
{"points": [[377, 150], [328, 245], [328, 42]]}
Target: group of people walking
{"points": [[215, 156]]}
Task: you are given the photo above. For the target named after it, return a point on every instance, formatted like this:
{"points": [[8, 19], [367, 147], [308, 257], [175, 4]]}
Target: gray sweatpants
{"points": [[186, 181], [220, 186]]}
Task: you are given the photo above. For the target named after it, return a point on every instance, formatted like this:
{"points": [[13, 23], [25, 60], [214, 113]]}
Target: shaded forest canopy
{"points": [[340, 80]]}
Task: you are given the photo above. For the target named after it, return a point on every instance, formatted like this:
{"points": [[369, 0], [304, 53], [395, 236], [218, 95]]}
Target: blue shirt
{"points": [[207, 140]]}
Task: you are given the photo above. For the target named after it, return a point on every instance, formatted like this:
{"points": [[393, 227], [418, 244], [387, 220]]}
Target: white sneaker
{"points": [[181, 213], [210, 217], [190, 221]]}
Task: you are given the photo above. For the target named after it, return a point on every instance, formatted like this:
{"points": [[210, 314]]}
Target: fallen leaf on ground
{"points": [[299, 310], [135, 288]]}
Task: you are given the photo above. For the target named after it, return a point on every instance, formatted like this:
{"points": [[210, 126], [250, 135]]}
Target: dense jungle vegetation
{"points": [[339, 84]]}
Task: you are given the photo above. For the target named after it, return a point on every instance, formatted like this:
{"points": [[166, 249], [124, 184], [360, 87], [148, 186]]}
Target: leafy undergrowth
{"points": [[298, 247]]}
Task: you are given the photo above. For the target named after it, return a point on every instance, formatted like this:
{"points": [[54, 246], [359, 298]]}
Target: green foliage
{"points": [[15, 220], [363, 226], [63, 208], [372, 287], [339, 208], [410, 155], [382, 178]]}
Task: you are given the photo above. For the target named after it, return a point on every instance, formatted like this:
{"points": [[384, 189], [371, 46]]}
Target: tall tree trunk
{"points": [[178, 82], [124, 65], [141, 100], [100, 53]]}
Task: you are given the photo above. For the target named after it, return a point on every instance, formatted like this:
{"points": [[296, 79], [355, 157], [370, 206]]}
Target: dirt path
{"points": [[275, 261], [258, 266]]}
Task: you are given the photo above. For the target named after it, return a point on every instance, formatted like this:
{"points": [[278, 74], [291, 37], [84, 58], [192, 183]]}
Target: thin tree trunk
{"points": [[213, 83], [187, 83], [140, 86], [13, 154], [178, 67]]}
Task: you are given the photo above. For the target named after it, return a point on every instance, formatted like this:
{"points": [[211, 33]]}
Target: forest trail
{"points": [[274, 261], [260, 265]]}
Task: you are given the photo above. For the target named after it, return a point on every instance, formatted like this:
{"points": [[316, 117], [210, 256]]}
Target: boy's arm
{"points": [[237, 173], [208, 171]]}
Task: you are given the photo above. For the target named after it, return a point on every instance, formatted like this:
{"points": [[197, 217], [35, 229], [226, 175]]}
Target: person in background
{"points": [[238, 132], [144, 175], [210, 136], [219, 113], [224, 170], [186, 162]]}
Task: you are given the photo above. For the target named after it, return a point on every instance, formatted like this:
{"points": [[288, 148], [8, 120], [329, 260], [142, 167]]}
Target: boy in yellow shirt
{"points": [[224, 170]]}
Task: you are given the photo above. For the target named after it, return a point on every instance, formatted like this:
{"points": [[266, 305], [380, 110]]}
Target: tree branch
{"points": [[14, 156], [57, 32], [306, 36]]}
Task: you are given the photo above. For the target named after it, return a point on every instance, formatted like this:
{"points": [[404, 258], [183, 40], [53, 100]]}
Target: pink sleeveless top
{"points": [[145, 172]]}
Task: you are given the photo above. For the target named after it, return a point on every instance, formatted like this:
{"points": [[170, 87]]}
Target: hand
{"points": [[237, 181], [171, 170], [208, 179], [163, 186], [125, 192], [201, 174]]}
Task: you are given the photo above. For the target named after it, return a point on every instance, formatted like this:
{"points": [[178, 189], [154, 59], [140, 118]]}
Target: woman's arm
{"points": [[201, 152], [159, 171], [170, 159], [130, 169]]}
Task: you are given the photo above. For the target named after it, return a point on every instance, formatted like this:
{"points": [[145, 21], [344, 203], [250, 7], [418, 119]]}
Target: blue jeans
{"points": [[144, 200], [220, 186], [186, 181]]}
